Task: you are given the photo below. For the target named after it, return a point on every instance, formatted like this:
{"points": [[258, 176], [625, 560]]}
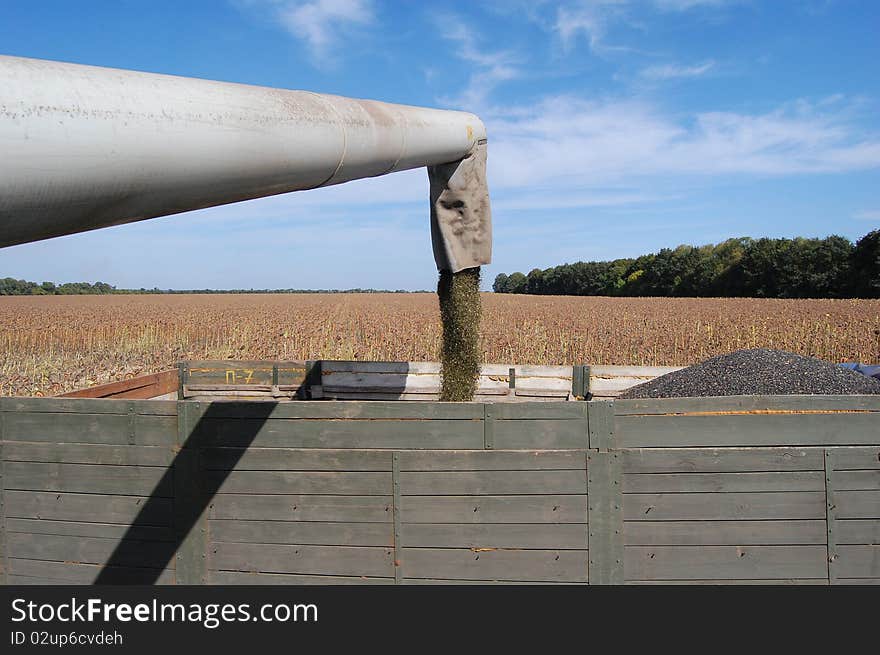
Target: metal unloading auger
{"points": [[83, 147]]}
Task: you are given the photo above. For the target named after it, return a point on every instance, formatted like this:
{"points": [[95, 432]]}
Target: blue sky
{"points": [[616, 127]]}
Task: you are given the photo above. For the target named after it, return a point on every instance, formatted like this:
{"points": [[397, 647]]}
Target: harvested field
{"points": [[58, 343]]}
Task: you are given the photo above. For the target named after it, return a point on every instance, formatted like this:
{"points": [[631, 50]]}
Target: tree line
{"points": [[832, 267], [12, 287]]}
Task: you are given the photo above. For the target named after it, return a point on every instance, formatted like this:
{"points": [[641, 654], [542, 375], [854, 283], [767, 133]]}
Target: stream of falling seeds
{"points": [[460, 311]]}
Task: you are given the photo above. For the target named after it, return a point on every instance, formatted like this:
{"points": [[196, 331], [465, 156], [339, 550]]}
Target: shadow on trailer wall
{"points": [[710, 490]]}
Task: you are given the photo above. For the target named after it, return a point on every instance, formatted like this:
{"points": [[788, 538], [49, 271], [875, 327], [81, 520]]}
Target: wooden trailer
{"points": [[270, 489]]}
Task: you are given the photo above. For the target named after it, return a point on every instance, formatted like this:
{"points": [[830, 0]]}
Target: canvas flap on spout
{"points": [[461, 219]]}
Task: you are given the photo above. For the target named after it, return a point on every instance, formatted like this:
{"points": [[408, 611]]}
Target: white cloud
{"points": [[567, 142], [320, 24], [589, 19], [676, 71], [868, 215], [490, 68], [684, 5]]}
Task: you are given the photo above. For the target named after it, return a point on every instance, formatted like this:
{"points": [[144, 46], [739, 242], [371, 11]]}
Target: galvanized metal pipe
{"points": [[83, 147]]}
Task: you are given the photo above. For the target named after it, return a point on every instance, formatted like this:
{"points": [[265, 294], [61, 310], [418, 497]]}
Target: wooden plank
{"points": [[858, 561], [141, 387], [427, 434], [446, 581], [857, 504], [246, 578], [724, 533], [540, 433], [834, 429], [494, 509], [721, 460], [307, 560], [315, 533], [86, 406], [292, 459], [567, 536], [365, 509], [746, 404], [518, 565], [600, 419], [397, 525], [344, 483], [646, 372], [723, 482], [64, 427], [84, 529], [857, 480], [720, 507], [87, 550], [725, 562], [855, 458], [858, 531], [330, 409], [190, 510], [88, 478], [540, 410], [496, 460], [87, 507], [79, 573], [492, 483], [4, 559], [782, 581], [230, 372], [21, 451], [605, 518]]}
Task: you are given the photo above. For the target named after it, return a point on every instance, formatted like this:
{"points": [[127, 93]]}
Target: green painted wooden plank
{"points": [[858, 532], [85, 529], [293, 459], [831, 516], [723, 482], [783, 581], [20, 451], [857, 458], [87, 507], [331, 409], [600, 419], [4, 560], [567, 536], [721, 460], [488, 427], [492, 483], [724, 533], [857, 480], [857, 504], [605, 518], [88, 550], [861, 581], [442, 581], [389, 434], [494, 509], [496, 460], [314, 533], [87, 406], [397, 536], [245, 578], [304, 560], [858, 562], [721, 507], [344, 483], [530, 411], [79, 573], [190, 510], [745, 403], [513, 565], [88, 478], [540, 433], [365, 509], [88, 428], [725, 562], [747, 430]]}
